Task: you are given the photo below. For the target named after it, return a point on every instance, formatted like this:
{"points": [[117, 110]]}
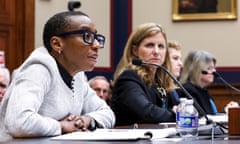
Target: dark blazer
{"points": [[173, 99], [201, 96], [134, 102]]}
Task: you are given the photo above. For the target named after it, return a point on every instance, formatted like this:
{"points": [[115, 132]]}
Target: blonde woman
{"points": [[174, 48], [139, 92]]}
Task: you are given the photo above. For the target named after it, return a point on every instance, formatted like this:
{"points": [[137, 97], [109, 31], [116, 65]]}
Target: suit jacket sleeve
{"points": [[134, 102]]}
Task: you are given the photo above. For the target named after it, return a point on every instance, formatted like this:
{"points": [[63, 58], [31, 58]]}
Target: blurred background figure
{"points": [[174, 48], [102, 87], [4, 81], [175, 55], [197, 75]]}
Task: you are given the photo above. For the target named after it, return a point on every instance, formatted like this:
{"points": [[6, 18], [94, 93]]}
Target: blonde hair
{"points": [[137, 36], [174, 44]]}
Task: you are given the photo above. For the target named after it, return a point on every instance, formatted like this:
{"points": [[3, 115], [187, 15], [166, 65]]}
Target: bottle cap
{"points": [[189, 101], [183, 99]]}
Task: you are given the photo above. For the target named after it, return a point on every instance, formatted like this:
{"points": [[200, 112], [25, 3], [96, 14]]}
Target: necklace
{"points": [[163, 93]]}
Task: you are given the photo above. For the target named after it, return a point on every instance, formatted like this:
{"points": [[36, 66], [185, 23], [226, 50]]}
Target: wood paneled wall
{"points": [[222, 94], [16, 30]]}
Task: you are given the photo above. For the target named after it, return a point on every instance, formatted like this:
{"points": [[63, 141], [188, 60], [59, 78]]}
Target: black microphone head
{"points": [[137, 62], [73, 4], [216, 74]]}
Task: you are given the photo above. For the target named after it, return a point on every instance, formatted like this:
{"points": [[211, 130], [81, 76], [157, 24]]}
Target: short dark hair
{"points": [[57, 24]]}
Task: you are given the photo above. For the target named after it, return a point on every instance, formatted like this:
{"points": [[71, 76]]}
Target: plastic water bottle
{"points": [[179, 108], [187, 119]]}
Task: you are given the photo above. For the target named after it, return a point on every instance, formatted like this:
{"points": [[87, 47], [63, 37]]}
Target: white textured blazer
{"points": [[38, 98]]}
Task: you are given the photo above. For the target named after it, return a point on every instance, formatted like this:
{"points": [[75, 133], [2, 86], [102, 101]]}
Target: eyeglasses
{"points": [[2, 85], [88, 36], [206, 73]]}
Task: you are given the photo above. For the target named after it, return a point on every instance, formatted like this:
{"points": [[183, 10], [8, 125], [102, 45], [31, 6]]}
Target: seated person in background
{"points": [[49, 95], [175, 55], [102, 87], [4, 81], [138, 93], [197, 75]]}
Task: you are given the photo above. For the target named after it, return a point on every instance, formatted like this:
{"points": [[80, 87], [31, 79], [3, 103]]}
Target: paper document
{"points": [[220, 118], [118, 134]]}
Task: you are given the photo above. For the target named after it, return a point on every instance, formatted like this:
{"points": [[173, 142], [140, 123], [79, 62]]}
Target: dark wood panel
{"points": [[29, 24], [4, 34], [7, 11], [8, 39], [17, 30], [222, 95]]}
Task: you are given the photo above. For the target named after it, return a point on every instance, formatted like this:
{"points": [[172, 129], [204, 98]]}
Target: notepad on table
{"points": [[118, 134]]}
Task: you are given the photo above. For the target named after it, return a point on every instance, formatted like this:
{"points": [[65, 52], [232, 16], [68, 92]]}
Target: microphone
{"points": [[73, 4], [139, 62], [218, 76]]}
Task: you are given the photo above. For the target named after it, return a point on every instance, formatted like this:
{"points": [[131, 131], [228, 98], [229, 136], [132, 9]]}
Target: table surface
{"points": [[203, 138], [199, 140]]}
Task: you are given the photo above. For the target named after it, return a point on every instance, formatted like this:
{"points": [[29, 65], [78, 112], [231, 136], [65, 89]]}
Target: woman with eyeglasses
{"points": [[49, 95], [197, 75], [139, 92]]}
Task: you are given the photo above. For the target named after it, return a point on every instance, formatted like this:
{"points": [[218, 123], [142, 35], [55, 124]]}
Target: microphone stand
{"points": [[217, 75], [208, 121]]}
